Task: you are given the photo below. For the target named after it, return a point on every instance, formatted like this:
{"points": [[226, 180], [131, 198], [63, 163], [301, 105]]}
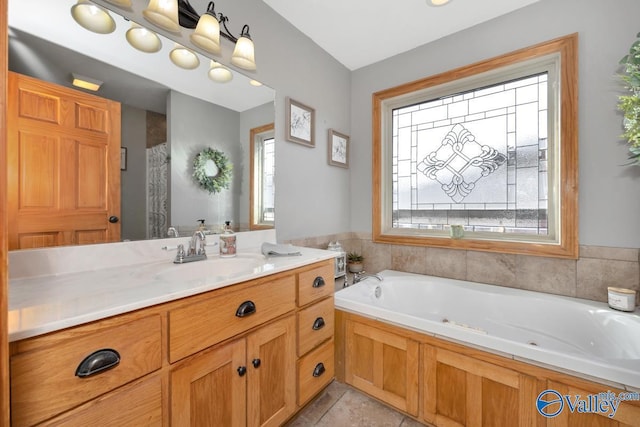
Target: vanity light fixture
{"points": [[184, 57], [85, 82], [219, 73], [207, 33], [244, 52], [143, 39], [93, 17], [437, 2], [164, 14], [124, 4]]}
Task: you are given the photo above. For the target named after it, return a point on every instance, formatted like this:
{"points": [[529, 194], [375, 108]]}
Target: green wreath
{"points": [[212, 179]]}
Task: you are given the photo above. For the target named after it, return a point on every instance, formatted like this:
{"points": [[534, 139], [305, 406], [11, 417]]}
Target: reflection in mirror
{"points": [[262, 191], [169, 115]]}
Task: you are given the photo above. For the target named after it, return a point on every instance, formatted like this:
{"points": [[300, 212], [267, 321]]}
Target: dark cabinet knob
{"points": [[246, 308], [318, 324], [113, 219], [256, 363], [319, 369], [98, 361], [318, 282], [242, 370]]}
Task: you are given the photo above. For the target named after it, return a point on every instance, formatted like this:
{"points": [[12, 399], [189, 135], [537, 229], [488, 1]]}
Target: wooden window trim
{"points": [[252, 138], [567, 246]]}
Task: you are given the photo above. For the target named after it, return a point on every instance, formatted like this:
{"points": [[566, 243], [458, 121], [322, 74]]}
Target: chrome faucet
{"points": [[359, 277], [172, 232], [196, 250]]}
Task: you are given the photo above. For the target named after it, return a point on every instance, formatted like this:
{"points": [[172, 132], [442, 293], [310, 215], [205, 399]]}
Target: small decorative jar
{"points": [[341, 259], [622, 299]]}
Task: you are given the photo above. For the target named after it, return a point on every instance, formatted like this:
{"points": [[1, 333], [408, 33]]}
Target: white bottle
{"points": [[227, 241]]}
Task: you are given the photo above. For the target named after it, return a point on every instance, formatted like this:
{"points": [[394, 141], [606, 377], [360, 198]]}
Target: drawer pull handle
{"points": [[318, 324], [245, 309], [242, 370], [319, 369], [318, 282], [98, 361], [256, 363]]}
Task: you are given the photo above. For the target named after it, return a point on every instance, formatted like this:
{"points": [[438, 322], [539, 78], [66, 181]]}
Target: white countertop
{"points": [[47, 303]]}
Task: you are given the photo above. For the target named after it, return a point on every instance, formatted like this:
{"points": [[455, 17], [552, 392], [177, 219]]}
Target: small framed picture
{"points": [[300, 123], [123, 159], [338, 149]]}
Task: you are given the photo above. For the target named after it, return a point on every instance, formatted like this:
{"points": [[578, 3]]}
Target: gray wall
{"points": [[312, 198], [609, 192], [133, 212], [193, 125]]}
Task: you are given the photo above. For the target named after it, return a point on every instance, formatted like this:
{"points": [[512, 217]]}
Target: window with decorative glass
{"points": [[262, 165], [483, 157]]}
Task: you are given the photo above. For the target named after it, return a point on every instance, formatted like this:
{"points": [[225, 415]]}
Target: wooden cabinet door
{"points": [[462, 391], [383, 364], [271, 365], [63, 161], [208, 390], [627, 414]]}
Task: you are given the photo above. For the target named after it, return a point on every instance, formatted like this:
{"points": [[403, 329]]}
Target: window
{"points": [[262, 191], [491, 147]]}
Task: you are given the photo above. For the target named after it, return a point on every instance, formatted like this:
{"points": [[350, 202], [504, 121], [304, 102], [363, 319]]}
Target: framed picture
{"points": [[123, 159], [300, 123], [338, 149]]}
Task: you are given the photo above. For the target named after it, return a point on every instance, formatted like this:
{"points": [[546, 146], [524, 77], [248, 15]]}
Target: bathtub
{"points": [[581, 337]]}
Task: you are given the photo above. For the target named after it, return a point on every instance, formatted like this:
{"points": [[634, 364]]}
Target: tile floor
{"points": [[340, 405]]}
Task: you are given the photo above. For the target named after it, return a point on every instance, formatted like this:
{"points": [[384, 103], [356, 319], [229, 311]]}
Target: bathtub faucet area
{"points": [[359, 277]]}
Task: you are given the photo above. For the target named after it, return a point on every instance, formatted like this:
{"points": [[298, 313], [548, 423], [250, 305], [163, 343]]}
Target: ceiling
{"points": [[361, 32]]}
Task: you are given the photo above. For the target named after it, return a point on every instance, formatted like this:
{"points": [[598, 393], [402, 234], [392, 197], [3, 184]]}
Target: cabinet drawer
{"points": [[315, 325], [315, 370], [200, 325], [315, 283], [133, 405], [44, 381]]}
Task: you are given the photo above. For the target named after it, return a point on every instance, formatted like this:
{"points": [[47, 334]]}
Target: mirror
{"points": [[169, 115]]}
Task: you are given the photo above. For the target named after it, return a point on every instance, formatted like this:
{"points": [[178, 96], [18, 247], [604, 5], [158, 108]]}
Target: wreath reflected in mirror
{"points": [[212, 170]]}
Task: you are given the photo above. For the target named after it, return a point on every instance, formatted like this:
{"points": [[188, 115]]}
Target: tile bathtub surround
{"points": [[587, 277]]}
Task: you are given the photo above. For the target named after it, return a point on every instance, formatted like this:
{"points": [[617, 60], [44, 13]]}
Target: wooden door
{"points": [[463, 391], [208, 390], [383, 364], [271, 361], [63, 165]]}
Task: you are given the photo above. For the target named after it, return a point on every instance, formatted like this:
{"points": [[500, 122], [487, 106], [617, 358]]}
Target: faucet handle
{"points": [[181, 254]]}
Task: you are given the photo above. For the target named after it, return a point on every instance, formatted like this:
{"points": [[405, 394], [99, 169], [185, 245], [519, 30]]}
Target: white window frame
{"points": [[557, 57]]}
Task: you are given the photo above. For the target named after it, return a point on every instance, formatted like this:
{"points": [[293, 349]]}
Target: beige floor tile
{"points": [[340, 405], [355, 409], [409, 422]]}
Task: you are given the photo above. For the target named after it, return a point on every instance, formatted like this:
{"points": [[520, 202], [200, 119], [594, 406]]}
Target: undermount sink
{"points": [[213, 266]]}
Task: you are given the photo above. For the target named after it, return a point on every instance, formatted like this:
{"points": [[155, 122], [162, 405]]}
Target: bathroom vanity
{"points": [[249, 345]]}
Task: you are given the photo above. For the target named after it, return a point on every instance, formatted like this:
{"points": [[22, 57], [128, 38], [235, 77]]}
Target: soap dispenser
{"points": [[227, 241], [202, 227]]}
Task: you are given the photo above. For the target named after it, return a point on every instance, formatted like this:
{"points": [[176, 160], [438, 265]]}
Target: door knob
{"points": [[113, 219]]}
